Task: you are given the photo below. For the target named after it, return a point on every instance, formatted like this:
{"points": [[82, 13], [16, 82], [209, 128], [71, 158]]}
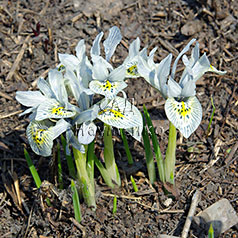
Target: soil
{"points": [[31, 35]]}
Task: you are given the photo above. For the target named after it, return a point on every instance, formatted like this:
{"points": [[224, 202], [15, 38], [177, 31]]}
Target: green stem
{"points": [[126, 146], [170, 155], [60, 175], [148, 154], [86, 187], [158, 155], [109, 157]]}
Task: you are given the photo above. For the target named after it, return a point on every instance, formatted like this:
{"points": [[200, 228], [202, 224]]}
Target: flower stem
{"points": [[109, 157], [170, 155], [86, 186]]}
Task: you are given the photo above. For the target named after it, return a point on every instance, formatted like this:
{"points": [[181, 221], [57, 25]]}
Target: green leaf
{"points": [[69, 159], [126, 146], [134, 184], [76, 203], [32, 168], [60, 177], [148, 154], [211, 232], [158, 155], [114, 210]]}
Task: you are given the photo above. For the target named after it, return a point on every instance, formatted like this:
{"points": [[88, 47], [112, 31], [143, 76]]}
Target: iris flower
{"points": [[132, 59], [106, 80], [51, 102], [182, 107]]}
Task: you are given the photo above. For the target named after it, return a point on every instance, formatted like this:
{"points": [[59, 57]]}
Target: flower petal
{"points": [[120, 113], [40, 138], [135, 132], [87, 133], [30, 98], [44, 87], [107, 88], [112, 41], [132, 69], [52, 109], [80, 50], [185, 115], [95, 50], [186, 48]]}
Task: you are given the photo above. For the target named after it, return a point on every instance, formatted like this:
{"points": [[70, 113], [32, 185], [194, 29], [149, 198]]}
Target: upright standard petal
{"points": [[120, 113], [186, 48], [95, 50], [112, 41], [40, 138], [185, 114]]}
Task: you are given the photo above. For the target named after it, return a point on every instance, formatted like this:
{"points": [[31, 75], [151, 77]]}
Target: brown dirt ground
{"points": [[166, 24]]}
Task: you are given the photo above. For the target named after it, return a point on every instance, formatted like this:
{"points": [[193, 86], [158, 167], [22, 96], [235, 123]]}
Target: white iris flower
{"points": [[106, 80], [51, 102], [132, 59], [182, 106]]}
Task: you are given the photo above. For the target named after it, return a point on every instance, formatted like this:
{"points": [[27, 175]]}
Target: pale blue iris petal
{"points": [[44, 87], [189, 89], [112, 41], [134, 48], [163, 71], [80, 50], [108, 89], [71, 139], [150, 60], [87, 133], [186, 122], [144, 70], [95, 50], [30, 98], [69, 61], [174, 89], [186, 48], [27, 111], [120, 113], [60, 127], [100, 70], [48, 109], [117, 74], [87, 115], [40, 138], [135, 132], [57, 85]]}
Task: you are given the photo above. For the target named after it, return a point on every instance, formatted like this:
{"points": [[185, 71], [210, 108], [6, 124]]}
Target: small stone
{"points": [[168, 202], [221, 214], [191, 28]]}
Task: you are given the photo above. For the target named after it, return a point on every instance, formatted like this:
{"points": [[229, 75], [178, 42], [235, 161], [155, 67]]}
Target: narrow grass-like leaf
{"points": [[134, 184], [212, 115], [126, 146], [114, 210], [148, 154], [105, 174], [211, 232], [158, 155], [170, 155], [109, 157], [90, 162], [76, 203], [32, 168], [69, 159], [60, 176]]}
